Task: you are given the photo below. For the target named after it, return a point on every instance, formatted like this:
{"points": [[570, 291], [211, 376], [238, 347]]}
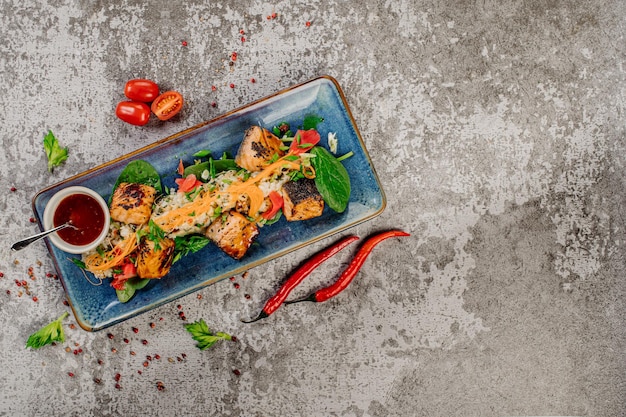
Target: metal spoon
{"points": [[25, 242]]}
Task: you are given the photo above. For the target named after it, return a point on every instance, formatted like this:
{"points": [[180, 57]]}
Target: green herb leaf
{"points": [[53, 332], [202, 153], [130, 287], [78, 262], [140, 172], [311, 122], [184, 245], [200, 333], [331, 179], [55, 153]]}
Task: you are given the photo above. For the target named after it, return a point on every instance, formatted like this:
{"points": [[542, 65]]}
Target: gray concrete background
{"points": [[497, 131]]}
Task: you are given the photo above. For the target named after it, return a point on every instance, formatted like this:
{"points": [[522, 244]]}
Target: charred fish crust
{"points": [[302, 200], [154, 260], [261, 151], [301, 190], [132, 203], [257, 148], [233, 233]]}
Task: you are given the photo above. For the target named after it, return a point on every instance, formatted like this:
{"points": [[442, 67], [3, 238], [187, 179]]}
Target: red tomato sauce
{"points": [[85, 213]]}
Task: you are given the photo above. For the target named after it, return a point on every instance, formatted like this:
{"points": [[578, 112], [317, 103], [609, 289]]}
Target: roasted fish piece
{"points": [[257, 148], [301, 199], [132, 203], [154, 259], [233, 233]]}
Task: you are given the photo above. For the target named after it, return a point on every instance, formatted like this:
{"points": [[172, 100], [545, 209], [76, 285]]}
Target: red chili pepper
{"points": [[298, 276], [350, 272]]}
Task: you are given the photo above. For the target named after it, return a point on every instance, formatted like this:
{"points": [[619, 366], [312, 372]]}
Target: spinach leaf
{"points": [[140, 172], [331, 179], [213, 166], [311, 121], [130, 287]]}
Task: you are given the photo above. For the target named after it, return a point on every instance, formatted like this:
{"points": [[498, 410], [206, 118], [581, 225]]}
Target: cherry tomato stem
{"points": [[299, 275]]}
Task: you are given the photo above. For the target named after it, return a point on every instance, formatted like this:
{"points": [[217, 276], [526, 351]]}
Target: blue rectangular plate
{"points": [[96, 307]]}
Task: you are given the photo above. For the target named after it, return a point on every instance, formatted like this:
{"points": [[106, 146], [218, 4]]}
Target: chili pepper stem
{"points": [[309, 298], [259, 317]]}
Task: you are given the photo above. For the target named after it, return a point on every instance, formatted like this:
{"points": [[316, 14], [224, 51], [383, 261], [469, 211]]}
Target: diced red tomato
{"points": [[303, 141], [189, 183], [128, 271], [277, 203]]}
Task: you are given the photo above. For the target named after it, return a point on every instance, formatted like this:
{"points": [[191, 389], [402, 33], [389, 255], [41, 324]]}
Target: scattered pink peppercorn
{"points": [[213, 88], [242, 32], [13, 189], [236, 372], [213, 104], [157, 356], [117, 377], [1, 274], [118, 386], [252, 80], [32, 220], [308, 23], [35, 299], [135, 330], [9, 292], [236, 285], [160, 386], [70, 374], [243, 39], [184, 43], [110, 335], [126, 340], [232, 85], [144, 342]]}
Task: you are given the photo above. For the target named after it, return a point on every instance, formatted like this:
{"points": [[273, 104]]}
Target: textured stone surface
{"points": [[497, 131]]}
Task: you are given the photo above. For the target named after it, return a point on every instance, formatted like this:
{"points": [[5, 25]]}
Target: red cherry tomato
{"points": [[141, 90], [277, 202], [304, 141], [167, 105], [133, 112]]}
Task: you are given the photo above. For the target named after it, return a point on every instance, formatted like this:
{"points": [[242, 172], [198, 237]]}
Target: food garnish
{"points": [[332, 179], [50, 333], [200, 333], [54, 151]]}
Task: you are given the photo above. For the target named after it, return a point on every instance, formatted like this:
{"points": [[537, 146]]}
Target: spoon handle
{"points": [[19, 245]]}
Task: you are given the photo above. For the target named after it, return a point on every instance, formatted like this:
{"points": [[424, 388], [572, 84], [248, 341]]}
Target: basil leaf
{"points": [[331, 179]]}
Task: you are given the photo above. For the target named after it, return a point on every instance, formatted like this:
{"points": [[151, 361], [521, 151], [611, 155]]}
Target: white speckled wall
{"points": [[497, 131]]}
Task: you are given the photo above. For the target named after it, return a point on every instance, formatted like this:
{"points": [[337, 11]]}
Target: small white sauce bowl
{"points": [[48, 219]]}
